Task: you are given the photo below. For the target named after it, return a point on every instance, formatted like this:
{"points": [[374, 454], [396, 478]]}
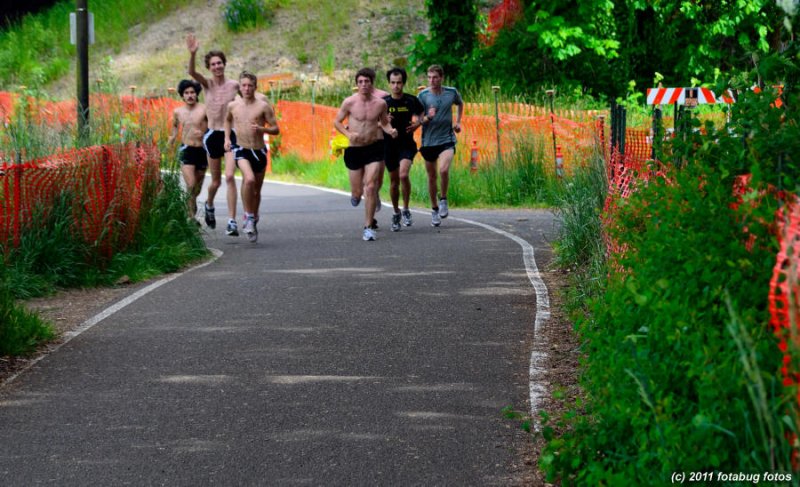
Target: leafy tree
{"points": [[602, 45], [451, 39]]}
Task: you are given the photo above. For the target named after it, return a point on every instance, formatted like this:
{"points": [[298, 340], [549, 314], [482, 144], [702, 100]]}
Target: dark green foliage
{"points": [[599, 46], [452, 36]]}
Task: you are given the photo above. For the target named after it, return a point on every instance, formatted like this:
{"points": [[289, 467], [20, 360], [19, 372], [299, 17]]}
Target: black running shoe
{"points": [[211, 220]]}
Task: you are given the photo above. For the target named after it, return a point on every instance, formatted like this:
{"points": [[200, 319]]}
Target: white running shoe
{"points": [[249, 227], [406, 218], [436, 220], [368, 235], [443, 210], [253, 237]]}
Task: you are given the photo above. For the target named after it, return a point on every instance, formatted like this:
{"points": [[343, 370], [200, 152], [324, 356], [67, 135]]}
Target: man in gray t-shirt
{"points": [[439, 137]]}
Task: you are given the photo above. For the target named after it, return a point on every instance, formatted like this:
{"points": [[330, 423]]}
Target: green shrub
{"points": [[680, 369], [664, 375], [243, 15]]}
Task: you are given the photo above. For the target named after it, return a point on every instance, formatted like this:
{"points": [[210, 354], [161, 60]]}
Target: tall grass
{"points": [[165, 241], [20, 330], [51, 252], [524, 179], [580, 246]]}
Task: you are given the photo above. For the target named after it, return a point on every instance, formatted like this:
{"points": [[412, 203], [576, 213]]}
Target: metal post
{"points": [[313, 138], [656, 131], [613, 112], [82, 47], [496, 89], [622, 122], [550, 95]]}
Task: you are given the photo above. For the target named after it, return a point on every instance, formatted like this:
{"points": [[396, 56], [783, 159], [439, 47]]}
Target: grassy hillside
{"points": [[142, 43]]}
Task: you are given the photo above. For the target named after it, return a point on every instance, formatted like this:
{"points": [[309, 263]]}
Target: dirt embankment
{"points": [[372, 34]]}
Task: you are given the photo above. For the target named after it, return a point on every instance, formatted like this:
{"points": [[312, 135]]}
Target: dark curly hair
{"points": [[186, 83]]}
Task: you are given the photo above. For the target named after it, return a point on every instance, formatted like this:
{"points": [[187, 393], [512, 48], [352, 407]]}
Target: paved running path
{"points": [[310, 358]]}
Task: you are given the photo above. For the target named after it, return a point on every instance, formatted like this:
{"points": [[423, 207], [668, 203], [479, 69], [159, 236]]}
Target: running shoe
{"points": [[233, 229], [443, 210], [253, 236], [354, 201], [436, 220], [369, 235], [211, 220], [396, 222], [407, 218], [249, 227]]}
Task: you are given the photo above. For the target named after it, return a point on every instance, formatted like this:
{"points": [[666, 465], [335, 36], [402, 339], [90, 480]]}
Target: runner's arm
{"points": [[272, 122], [385, 123], [459, 114], [344, 111], [228, 125], [192, 46]]}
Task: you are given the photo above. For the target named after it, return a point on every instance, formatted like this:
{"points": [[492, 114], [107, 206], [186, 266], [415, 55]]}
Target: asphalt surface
{"points": [[309, 358]]}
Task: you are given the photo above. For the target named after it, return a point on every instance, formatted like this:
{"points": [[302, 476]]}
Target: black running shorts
{"points": [[355, 158]]}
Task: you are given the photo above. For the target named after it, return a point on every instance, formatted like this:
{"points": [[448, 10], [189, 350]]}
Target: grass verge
{"points": [[524, 179]]}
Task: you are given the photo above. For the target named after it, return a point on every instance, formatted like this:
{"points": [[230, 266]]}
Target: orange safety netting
{"points": [[107, 181], [149, 114], [784, 302], [309, 134], [306, 129], [784, 292]]}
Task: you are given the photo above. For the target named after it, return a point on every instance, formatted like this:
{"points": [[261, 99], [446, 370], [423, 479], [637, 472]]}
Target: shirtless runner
{"points": [[248, 116], [367, 118], [191, 118], [219, 92]]}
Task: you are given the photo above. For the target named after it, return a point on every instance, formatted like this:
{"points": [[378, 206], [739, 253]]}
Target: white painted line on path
{"points": [[88, 324], [537, 368]]}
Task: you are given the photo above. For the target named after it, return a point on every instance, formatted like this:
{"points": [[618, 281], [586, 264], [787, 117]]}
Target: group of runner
{"points": [[380, 129]]}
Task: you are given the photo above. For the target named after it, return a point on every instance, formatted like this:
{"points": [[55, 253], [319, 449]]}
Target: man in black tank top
{"points": [[405, 112]]}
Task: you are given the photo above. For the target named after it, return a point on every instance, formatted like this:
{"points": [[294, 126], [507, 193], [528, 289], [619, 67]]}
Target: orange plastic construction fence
{"points": [[784, 295], [150, 114], [306, 130], [107, 181]]}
